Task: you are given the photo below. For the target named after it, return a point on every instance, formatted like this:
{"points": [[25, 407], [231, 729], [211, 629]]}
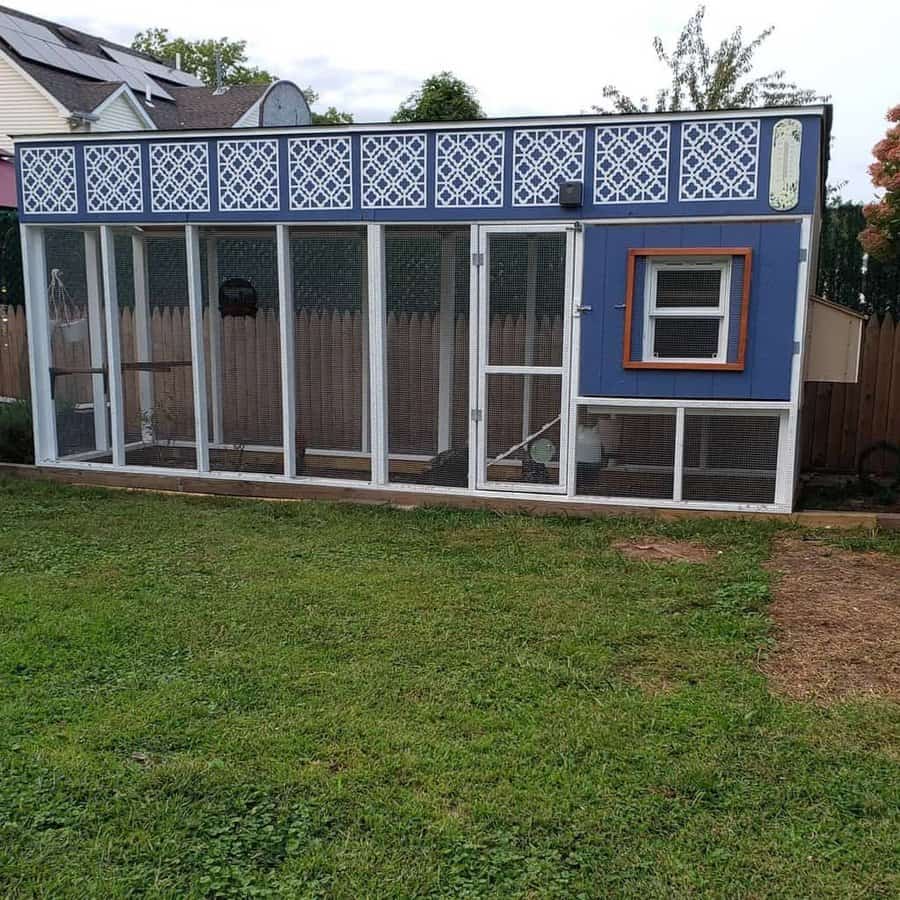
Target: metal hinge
{"points": [[476, 415], [477, 259], [796, 347], [803, 254], [575, 226]]}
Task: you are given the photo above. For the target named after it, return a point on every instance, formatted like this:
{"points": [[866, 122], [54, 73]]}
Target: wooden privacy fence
{"points": [[839, 421]]}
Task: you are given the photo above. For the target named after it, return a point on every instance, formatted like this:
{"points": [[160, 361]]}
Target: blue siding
{"points": [[770, 336]]}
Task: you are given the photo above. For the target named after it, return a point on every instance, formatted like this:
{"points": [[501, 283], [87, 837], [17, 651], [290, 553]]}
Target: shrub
{"points": [[16, 440]]}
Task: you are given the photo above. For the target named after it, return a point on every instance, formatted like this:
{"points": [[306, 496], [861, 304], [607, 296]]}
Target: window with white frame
{"points": [[686, 310]]}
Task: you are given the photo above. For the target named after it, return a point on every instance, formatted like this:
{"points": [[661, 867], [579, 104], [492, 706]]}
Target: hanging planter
{"points": [[71, 323], [237, 297]]}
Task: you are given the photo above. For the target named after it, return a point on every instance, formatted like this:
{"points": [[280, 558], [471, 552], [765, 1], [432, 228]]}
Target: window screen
{"points": [[688, 288], [688, 338]]}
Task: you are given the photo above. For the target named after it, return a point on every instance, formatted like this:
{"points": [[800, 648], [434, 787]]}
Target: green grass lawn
{"points": [[205, 697]]}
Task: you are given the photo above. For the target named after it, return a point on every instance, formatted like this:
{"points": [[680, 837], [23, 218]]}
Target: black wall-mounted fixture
{"points": [[571, 193]]}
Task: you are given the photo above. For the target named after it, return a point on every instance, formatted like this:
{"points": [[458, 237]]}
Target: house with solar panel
{"points": [[54, 78], [575, 311]]}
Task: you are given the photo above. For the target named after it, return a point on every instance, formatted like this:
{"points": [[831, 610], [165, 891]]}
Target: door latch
{"points": [[583, 309]]}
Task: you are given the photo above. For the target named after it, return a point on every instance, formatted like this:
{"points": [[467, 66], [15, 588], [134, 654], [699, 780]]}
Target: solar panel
{"points": [[59, 56], [31, 29], [130, 61]]}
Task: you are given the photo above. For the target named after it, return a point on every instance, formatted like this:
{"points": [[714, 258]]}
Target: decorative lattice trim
{"points": [[48, 180], [719, 160], [112, 174], [179, 177], [469, 169], [393, 171], [542, 158], [248, 175], [631, 164], [321, 173]]}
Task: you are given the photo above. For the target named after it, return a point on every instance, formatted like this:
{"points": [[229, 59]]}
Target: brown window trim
{"points": [[738, 364]]}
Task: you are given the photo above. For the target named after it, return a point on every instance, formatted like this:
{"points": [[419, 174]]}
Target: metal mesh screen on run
{"points": [[527, 276], [730, 458], [330, 314], [244, 347], [79, 395], [625, 454], [155, 346], [522, 428], [427, 296]]}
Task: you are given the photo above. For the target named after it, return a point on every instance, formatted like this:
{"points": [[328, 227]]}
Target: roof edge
{"points": [[521, 121]]}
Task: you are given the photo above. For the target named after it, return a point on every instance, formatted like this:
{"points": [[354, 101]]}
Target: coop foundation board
{"points": [[452, 330]]}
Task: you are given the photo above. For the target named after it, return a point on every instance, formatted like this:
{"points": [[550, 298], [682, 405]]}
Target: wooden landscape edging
{"points": [[276, 490]]}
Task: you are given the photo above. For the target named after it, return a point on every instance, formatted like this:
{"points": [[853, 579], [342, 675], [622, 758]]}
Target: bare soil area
{"points": [[663, 550], [837, 619]]}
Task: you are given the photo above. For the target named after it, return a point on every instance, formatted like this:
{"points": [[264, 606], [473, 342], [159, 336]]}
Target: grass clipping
{"points": [[837, 621]]}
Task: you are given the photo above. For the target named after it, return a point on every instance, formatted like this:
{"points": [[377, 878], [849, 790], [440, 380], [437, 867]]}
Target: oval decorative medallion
{"points": [[784, 172]]}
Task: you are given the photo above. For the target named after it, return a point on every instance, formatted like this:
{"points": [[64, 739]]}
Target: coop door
{"points": [[525, 294]]}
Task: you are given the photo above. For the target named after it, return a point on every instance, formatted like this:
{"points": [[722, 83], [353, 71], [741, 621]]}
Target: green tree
{"points": [[199, 57], [707, 78], [441, 98], [331, 116]]}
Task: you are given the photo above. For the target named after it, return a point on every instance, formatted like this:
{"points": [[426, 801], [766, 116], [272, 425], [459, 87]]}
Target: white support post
{"points": [[198, 361], [114, 352], [143, 343], [214, 318], [678, 463], [365, 403], [286, 331], [97, 338], [447, 351], [377, 353], [530, 316], [477, 322], [40, 358]]}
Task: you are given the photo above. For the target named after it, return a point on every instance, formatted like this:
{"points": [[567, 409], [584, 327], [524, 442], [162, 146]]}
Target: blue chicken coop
{"points": [[582, 310]]}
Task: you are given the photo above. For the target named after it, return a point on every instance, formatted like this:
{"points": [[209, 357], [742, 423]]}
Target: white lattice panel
{"points": [[248, 175], [393, 171], [631, 164], [179, 177], [112, 175], [469, 169], [542, 158], [48, 180], [321, 173], [719, 160]]}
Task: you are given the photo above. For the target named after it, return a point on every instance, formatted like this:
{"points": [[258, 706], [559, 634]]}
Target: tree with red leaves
{"points": [[881, 236]]}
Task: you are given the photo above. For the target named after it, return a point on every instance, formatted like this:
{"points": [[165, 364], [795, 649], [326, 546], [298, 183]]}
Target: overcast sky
{"points": [[528, 58]]}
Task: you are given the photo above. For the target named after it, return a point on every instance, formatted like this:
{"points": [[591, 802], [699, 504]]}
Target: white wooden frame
{"points": [[481, 277], [652, 312], [34, 261]]}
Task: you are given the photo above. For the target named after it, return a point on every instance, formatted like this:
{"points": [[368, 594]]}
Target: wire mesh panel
{"points": [[527, 282], [427, 296], [77, 350], [730, 458], [522, 429], [244, 346], [155, 344], [330, 303], [625, 454]]}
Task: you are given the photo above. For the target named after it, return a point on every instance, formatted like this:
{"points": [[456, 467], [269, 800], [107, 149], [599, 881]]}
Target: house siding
{"points": [[23, 108], [119, 116], [250, 119]]}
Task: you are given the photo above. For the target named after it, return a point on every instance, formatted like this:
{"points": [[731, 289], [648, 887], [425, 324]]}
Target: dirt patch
{"points": [[837, 619], [662, 550]]}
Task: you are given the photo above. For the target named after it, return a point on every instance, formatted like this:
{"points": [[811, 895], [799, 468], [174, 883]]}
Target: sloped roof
{"points": [[193, 107]]}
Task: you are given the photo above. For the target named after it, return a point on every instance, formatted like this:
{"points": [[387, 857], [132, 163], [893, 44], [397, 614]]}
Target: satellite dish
{"points": [[282, 105]]}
